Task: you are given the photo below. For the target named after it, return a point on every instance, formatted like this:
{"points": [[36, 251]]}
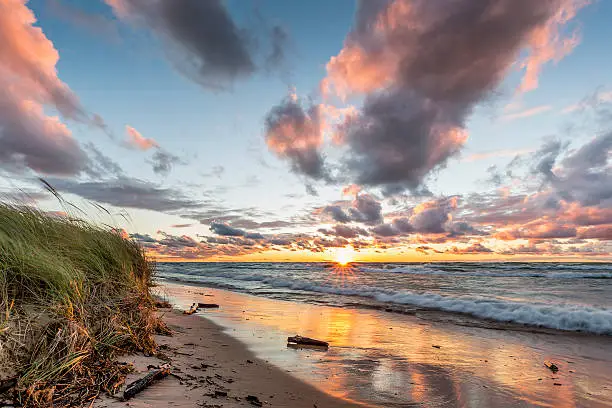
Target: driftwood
{"points": [[254, 400], [192, 309], [142, 383], [208, 306], [307, 341], [552, 366]]}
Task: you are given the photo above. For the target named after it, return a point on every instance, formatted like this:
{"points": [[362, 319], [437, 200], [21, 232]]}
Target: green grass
{"points": [[72, 296]]}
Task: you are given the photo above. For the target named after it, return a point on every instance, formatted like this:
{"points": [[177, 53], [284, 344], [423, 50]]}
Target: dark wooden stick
{"points": [[307, 341], [142, 383], [208, 305]]}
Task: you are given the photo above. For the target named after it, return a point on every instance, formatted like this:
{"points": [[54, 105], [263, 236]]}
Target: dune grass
{"points": [[72, 296]]}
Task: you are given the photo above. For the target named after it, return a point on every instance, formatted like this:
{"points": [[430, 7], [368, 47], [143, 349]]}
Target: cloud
{"points": [[527, 113], [476, 248], [337, 213], [29, 139], [226, 230], [163, 162], [29, 82], [128, 192], [345, 231], [429, 217], [295, 133], [539, 230], [423, 67], [279, 39], [201, 38], [366, 209], [363, 209], [496, 153], [600, 232], [95, 23], [136, 140], [100, 165], [597, 98], [583, 175]]}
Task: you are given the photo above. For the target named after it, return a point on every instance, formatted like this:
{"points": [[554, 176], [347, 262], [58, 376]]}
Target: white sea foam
{"points": [[554, 316]]}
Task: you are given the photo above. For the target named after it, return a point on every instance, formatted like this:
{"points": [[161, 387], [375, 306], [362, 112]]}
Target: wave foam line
{"points": [[560, 316]]}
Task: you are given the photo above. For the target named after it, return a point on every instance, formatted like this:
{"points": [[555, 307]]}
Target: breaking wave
{"points": [[554, 316]]}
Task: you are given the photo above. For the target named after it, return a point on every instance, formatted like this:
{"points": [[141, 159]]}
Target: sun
{"points": [[343, 256]]}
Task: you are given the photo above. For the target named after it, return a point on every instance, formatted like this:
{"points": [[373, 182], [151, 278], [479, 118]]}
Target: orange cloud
{"points": [[137, 140]]}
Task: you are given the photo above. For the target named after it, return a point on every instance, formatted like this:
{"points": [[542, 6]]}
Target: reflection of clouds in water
{"points": [[375, 355]]}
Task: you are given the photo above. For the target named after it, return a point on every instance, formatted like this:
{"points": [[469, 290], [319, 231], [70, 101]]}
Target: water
{"points": [[561, 296]]}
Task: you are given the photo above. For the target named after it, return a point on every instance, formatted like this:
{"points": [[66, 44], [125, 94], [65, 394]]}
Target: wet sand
{"points": [[389, 359], [205, 361]]}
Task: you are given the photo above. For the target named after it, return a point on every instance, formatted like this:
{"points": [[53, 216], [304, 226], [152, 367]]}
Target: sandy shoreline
{"points": [[208, 360]]}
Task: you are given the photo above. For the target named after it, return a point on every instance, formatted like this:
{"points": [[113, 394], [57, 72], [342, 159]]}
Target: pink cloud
{"points": [[496, 153], [423, 65], [28, 82], [527, 113], [137, 140], [546, 43]]}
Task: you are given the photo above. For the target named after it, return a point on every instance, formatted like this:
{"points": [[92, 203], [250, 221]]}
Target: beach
{"points": [[376, 358], [205, 360]]}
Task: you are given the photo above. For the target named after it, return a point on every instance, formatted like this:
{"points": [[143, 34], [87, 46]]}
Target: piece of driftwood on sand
{"points": [[208, 306], [307, 341], [142, 383]]}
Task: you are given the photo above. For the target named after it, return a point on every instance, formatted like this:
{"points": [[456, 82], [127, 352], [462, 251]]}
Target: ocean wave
{"points": [[554, 316], [489, 274]]}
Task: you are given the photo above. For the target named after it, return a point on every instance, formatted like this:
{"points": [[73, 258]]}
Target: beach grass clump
{"points": [[72, 296]]}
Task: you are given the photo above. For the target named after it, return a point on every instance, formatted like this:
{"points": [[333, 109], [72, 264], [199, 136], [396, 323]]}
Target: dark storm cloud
{"points": [[294, 134], [424, 66], [127, 192]]}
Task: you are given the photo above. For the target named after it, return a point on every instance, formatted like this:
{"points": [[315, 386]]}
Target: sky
{"points": [[380, 130]]}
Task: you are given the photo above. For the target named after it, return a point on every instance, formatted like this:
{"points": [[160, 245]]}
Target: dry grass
{"points": [[72, 296]]}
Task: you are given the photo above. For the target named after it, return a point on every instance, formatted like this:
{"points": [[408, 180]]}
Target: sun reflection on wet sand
{"points": [[389, 359]]}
